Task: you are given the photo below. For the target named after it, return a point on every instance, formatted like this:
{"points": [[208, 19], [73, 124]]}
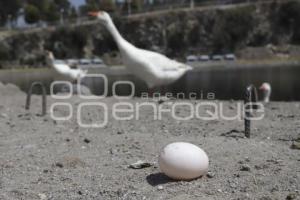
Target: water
{"points": [[225, 82]]}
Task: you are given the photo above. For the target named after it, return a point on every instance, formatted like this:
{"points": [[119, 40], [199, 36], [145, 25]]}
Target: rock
{"points": [[295, 145], [87, 140], [245, 168], [58, 164], [160, 187], [120, 132], [3, 115], [42, 196], [291, 196], [140, 165], [73, 162], [70, 162], [234, 134], [210, 175]]}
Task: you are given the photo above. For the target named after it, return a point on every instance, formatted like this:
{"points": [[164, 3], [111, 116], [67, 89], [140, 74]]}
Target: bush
{"points": [[53, 13], [232, 28], [4, 52], [67, 41], [288, 19], [9, 8], [107, 5]]}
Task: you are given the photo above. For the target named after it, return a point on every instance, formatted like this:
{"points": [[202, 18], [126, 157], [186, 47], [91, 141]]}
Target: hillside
{"points": [[261, 30]]}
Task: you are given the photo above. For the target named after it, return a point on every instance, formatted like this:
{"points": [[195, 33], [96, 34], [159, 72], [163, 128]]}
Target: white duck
{"points": [[155, 69], [266, 89], [63, 69]]}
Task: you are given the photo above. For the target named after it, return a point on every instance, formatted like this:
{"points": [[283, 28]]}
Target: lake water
{"points": [[226, 82]]}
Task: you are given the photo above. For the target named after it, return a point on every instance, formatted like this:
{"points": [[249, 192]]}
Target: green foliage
{"points": [[107, 5], [52, 13], [175, 37], [137, 5], [62, 4], [9, 8], [73, 13], [42, 5], [232, 27], [32, 14], [4, 52], [50, 10], [67, 42], [288, 18], [289, 13]]}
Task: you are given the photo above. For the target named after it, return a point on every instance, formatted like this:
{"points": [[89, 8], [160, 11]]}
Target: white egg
{"points": [[183, 161]]}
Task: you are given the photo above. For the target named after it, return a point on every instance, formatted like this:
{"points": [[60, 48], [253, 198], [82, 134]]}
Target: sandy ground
{"points": [[41, 158]]}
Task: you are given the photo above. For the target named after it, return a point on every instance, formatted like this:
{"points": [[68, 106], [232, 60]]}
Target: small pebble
{"points": [[87, 140], [245, 168], [140, 165], [210, 175], [291, 196], [42, 196], [160, 187], [295, 145], [60, 165]]}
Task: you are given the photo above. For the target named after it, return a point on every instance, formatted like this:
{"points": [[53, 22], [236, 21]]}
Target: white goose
{"points": [[63, 69], [267, 90], [155, 69]]}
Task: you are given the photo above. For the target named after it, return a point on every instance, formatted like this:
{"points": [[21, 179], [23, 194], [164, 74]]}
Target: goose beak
{"points": [[262, 88], [94, 14]]}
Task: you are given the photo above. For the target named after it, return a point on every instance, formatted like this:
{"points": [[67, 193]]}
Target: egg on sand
{"points": [[183, 161]]}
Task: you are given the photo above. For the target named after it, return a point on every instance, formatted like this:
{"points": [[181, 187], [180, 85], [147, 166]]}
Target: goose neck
{"points": [[114, 32]]}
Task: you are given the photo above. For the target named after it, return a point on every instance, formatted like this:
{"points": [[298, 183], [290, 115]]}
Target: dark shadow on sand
{"points": [[158, 179]]}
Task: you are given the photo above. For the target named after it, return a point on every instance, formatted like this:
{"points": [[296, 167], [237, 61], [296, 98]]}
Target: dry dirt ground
{"points": [[42, 158]]}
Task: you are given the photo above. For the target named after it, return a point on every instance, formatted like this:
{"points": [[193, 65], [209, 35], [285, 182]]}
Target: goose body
{"points": [[63, 69], [155, 69]]}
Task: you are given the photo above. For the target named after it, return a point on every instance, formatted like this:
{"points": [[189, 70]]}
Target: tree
{"points": [[9, 9], [90, 5], [93, 4], [63, 4], [52, 13], [289, 18], [42, 5], [107, 5], [137, 5], [73, 13], [32, 14], [232, 27]]}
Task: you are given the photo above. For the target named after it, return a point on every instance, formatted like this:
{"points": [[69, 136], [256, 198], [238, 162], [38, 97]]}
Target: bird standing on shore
{"points": [[266, 89], [155, 69], [63, 69]]}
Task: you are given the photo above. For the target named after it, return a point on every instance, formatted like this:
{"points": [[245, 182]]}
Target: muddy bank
{"points": [[46, 159]]}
